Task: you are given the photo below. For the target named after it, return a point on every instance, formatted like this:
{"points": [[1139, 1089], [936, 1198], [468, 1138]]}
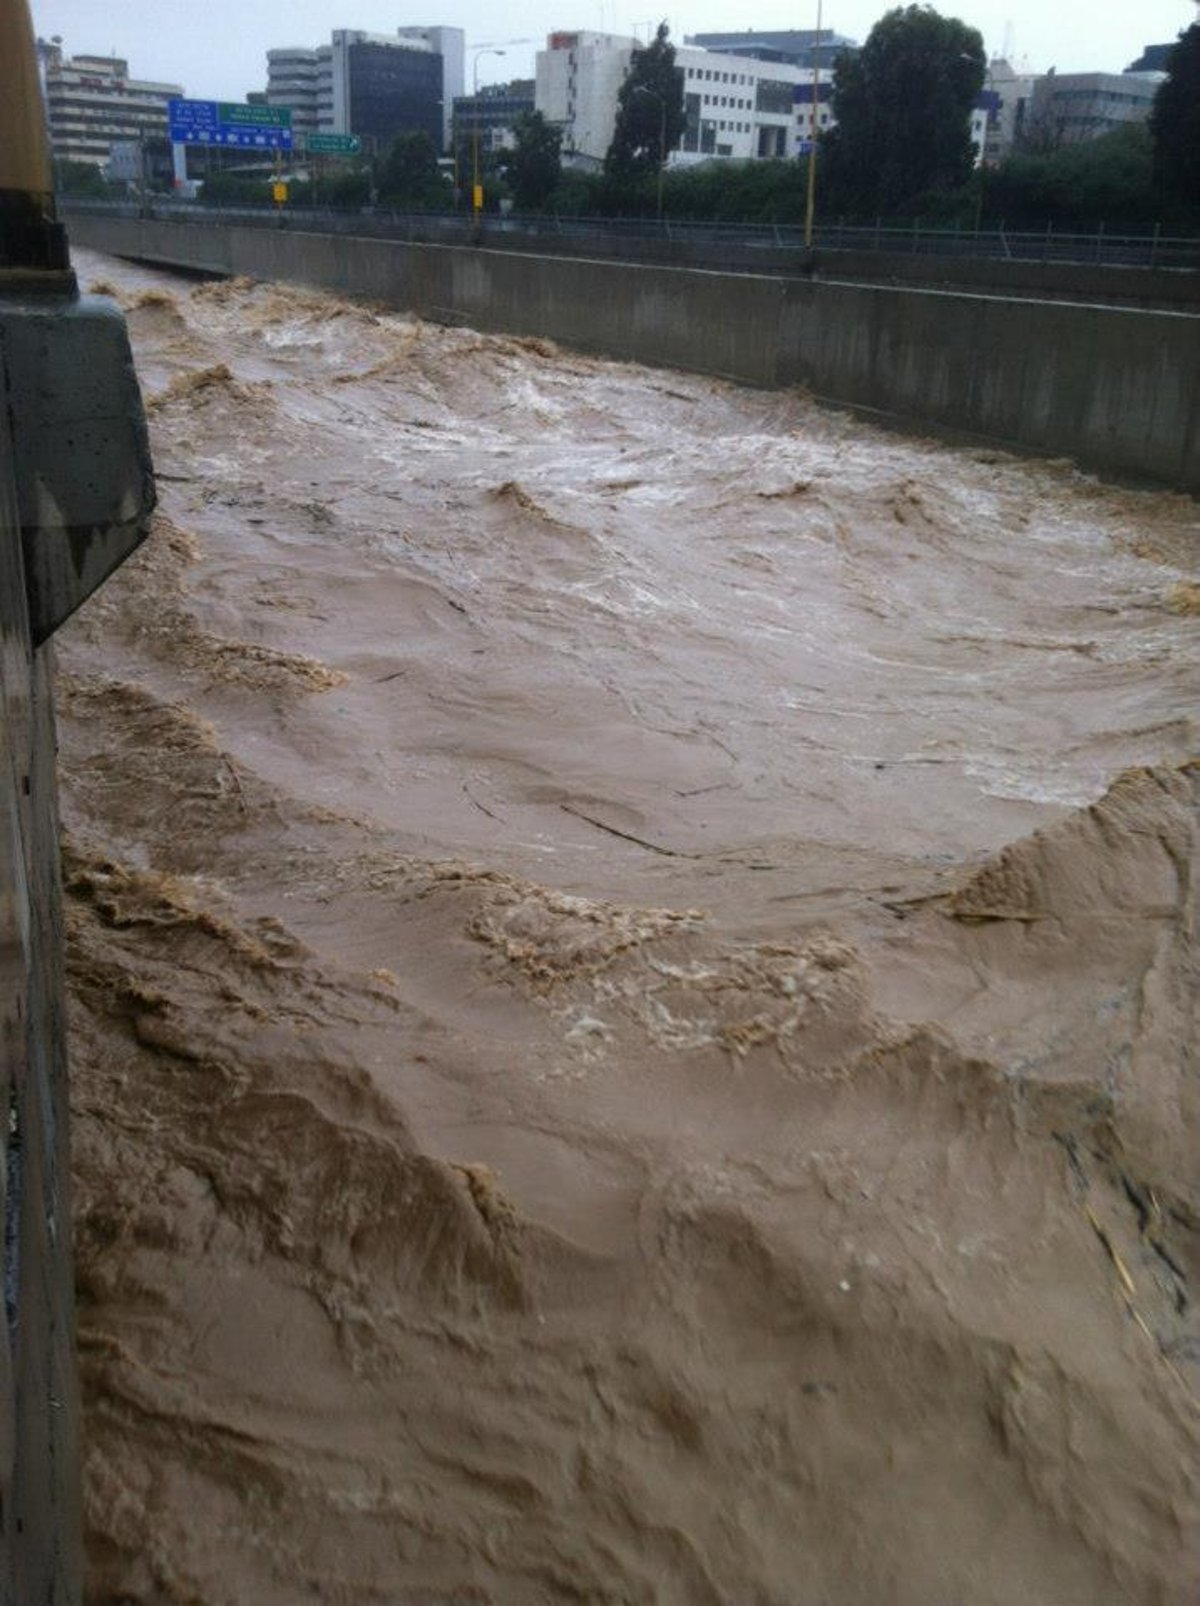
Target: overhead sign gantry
{"points": [[229, 124]]}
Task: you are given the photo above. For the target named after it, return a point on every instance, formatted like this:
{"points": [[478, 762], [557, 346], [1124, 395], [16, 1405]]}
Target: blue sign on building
{"points": [[211, 122]]}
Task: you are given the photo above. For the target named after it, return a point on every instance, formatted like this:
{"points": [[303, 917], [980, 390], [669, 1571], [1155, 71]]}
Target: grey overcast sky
{"points": [[217, 48]]}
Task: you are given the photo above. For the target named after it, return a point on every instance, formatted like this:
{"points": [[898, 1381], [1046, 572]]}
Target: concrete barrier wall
{"points": [[1116, 387]]}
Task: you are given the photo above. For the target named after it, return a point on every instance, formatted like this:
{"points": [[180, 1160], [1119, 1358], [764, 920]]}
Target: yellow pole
{"points": [[30, 235], [810, 205], [24, 158], [476, 187]]}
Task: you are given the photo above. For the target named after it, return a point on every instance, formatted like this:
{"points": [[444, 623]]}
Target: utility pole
{"points": [[644, 89], [476, 186], [811, 202]]}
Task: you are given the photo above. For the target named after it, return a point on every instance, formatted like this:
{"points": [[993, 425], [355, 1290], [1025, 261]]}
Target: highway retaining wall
{"points": [[1115, 387]]}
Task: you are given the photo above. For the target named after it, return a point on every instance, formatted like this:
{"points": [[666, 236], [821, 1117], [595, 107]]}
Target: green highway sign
{"points": [[255, 116], [333, 144], [246, 128]]}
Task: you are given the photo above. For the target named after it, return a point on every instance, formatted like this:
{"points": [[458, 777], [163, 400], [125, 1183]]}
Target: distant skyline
{"points": [[217, 50]]}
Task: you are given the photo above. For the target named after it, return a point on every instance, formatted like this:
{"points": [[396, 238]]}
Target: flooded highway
{"points": [[632, 952]]}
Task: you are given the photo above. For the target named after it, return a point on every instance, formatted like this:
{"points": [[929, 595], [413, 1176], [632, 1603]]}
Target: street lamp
{"points": [[644, 89], [476, 187], [810, 202]]}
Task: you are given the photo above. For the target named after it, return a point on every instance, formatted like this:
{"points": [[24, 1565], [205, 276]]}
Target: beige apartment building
{"points": [[92, 103]]}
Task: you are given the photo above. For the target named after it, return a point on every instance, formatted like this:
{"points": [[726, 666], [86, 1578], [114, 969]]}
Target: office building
{"points": [[373, 85], [1066, 108], [1013, 91], [1152, 59], [491, 114], [292, 75], [805, 98], [92, 103], [140, 164], [743, 107], [794, 47], [383, 86], [737, 106], [578, 76], [450, 45]]}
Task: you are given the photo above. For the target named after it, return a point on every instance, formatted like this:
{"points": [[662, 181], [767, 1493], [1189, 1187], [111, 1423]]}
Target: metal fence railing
{"points": [[752, 242]]}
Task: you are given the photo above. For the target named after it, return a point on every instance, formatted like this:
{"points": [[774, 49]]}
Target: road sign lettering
{"points": [[333, 144], [209, 122]]}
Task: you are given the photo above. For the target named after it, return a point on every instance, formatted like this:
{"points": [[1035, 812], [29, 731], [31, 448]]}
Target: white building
{"points": [[1013, 88], [744, 109], [736, 107], [91, 101], [804, 109], [576, 81]]}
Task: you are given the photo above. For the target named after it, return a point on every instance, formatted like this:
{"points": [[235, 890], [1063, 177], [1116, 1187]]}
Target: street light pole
{"points": [[811, 202], [644, 89], [476, 187]]}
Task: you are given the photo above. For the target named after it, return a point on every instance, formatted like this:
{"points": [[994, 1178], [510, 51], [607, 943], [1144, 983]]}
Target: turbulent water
{"points": [[632, 949]]}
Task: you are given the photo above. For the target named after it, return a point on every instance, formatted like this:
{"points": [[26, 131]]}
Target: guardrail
{"points": [[1102, 248]]}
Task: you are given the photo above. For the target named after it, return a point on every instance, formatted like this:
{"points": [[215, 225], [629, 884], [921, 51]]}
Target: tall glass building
{"points": [[371, 84], [384, 86]]}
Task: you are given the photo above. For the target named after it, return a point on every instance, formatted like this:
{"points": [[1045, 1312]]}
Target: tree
{"points": [[231, 188], [409, 175], [650, 115], [78, 178], [1081, 185], [737, 191], [1175, 122], [533, 167], [902, 105], [347, 189]]}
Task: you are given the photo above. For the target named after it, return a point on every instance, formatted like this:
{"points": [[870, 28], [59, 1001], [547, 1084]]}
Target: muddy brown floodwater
{"points": [[632, 948]]}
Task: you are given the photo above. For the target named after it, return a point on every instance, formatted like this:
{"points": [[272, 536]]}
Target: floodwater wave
{"points": [[632, 949]]}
